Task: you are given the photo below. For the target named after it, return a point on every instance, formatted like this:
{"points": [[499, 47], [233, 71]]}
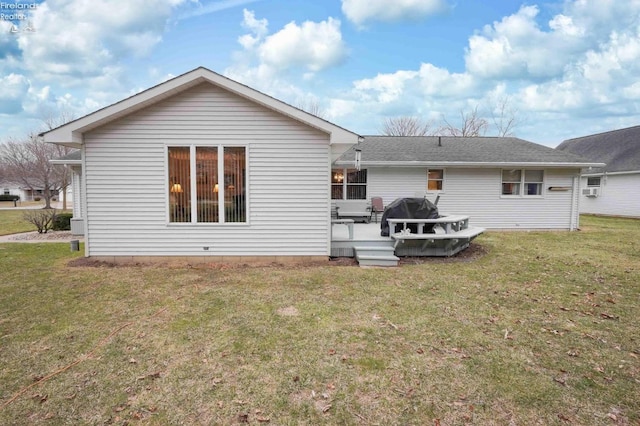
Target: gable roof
{"points": [[619, 149], [459, 151], [70, 134]]}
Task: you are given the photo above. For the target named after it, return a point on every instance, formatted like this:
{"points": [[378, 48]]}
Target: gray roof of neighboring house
{"points": [[619, 149], [462, 151]]}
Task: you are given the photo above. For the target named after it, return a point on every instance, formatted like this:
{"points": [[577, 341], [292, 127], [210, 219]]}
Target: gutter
{"points": [[468, 164], [630, 172], [67, 162]]}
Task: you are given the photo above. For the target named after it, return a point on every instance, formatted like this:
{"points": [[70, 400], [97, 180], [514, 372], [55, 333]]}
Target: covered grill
{"points": [[409, 208]]}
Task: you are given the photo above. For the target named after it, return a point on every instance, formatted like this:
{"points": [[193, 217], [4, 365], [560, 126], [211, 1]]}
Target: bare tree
{"points": [[406, 126], [471, 124], [504, 116], [52, 119], [312, 106], [27, 162], [44, 220]]}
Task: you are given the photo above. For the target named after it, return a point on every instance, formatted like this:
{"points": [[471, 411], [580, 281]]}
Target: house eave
{"points": [[71, 134], [602, 173], [67, 162], [469, 164]]}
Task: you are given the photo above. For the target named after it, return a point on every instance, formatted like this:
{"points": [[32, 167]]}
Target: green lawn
{"points": [[543, 329], [11, 222]]}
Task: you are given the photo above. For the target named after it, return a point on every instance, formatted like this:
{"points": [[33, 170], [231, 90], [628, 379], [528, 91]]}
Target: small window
{"points": [[522, 182], [7, 192], [435, 180], [593, 181]]}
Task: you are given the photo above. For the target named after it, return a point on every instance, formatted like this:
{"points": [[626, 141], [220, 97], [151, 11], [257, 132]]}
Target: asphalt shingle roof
{"points": [[448, 149], [619, 149]]}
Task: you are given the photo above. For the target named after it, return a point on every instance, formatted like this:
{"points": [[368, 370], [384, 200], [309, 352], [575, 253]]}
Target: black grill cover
{"points": [[409, 208]]}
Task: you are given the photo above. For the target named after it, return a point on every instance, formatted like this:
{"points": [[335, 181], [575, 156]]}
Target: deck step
{"points": [[378, 249], [377, 255], [379, 260]]}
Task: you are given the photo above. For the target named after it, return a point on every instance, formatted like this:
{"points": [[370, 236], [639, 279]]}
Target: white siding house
{"points": [[477, 192], [205, 169], [133, 183], [613, 189], [617, 194], [471, 177]]}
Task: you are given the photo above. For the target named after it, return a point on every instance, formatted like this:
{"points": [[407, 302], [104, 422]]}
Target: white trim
{"points": [[67, 162], [633, 172], [83, 196], [468, 164], [575, 204]]}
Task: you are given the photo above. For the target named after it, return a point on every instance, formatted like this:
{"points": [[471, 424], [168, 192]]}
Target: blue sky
{"points": [[563, 68]]}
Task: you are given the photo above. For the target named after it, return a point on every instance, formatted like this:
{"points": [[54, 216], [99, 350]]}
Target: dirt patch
{"points": [[289, 311], [472, 253]]}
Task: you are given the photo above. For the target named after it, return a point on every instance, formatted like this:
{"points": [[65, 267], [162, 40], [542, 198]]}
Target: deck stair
{"points": [[376, 255]]}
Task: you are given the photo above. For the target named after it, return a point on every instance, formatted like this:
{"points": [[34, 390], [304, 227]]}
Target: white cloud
{"points": [[362, 11], [579, 66], [78, 39], [258, 28], [517, 47], [385, 88], [14, 88], [428, 82], [268, 61], [312, 45]]}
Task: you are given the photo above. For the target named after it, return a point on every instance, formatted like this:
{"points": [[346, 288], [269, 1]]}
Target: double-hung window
{"points": [[522, 182], [206, 184], [435, 180], [348, 184]]}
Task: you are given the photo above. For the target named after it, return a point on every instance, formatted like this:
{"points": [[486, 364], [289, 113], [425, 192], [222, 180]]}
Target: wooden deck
{"points": [[364, 235], [453, 235]]}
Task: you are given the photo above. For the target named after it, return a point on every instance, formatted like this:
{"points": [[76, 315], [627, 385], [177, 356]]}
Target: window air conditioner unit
{"points": [[591, 192]]}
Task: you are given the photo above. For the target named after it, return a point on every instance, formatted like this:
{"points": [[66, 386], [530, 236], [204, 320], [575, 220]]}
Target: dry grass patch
{"points": [[542, 329]]}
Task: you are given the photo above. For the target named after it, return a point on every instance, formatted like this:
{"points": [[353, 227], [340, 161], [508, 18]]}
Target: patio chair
{"points": [[377, 206]]}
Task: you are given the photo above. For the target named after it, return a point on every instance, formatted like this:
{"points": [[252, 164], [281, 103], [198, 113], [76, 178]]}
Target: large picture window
{"points": [[522, 182], [348, 184], [207, 184]]}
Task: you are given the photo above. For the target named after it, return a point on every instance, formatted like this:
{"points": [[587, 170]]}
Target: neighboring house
{"points": [[613, 189], [27, 194], [202, 166], [10, 188], [501, 183]]}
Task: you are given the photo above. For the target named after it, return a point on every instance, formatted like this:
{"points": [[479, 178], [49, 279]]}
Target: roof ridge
{"points": [[603, 133]]}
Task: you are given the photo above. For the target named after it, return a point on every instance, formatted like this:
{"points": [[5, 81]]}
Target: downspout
{"points": [[575, 204]]}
